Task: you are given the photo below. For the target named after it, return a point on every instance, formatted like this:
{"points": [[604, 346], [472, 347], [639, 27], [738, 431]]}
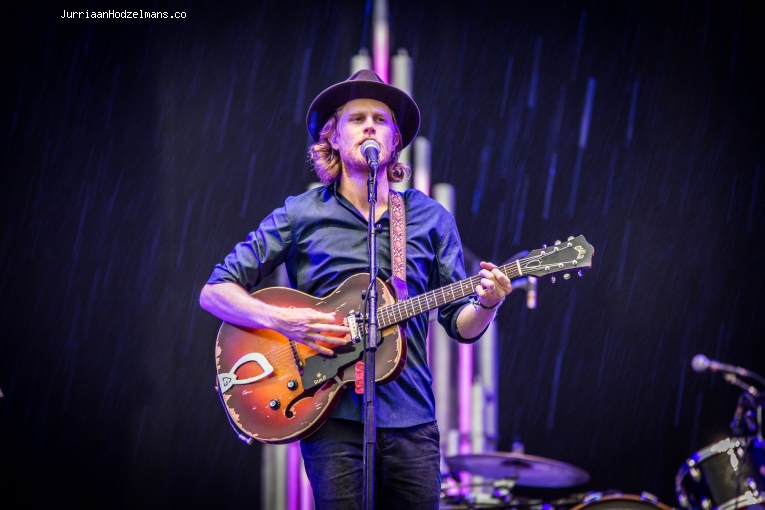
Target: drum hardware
{"points": [[479, 500], [597, 496], [727, 475], [498, 486], [524, 470], [495, 492], [747, 419], [619, 501]]}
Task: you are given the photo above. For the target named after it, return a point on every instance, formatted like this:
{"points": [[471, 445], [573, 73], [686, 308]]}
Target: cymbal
{"points": [[526, 470]]}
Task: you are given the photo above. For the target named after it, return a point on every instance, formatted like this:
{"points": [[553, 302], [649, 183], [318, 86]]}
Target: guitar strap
{"points": [[397, 234], [397, 215]]}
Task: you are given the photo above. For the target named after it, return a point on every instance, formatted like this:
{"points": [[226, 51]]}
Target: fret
{"points": [[398, 312], [403, 310]]}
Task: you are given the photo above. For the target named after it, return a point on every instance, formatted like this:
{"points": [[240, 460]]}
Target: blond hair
{"points": [[326, 160]]}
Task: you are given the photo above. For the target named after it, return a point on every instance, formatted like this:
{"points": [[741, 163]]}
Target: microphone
{"points": [[371, 152], [700, 363]]}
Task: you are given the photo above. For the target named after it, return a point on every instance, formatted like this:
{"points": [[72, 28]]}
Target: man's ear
{"points": [[333, 141]]}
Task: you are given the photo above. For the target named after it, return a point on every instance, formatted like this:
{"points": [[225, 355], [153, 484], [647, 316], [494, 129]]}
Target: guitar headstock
{"points": [[574, 254]]}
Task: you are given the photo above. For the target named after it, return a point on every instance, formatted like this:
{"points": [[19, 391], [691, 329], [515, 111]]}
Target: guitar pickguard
{"points": [[319, 369]]}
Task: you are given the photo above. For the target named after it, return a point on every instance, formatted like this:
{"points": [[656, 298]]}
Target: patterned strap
{"points": [[397, 214], [397, 234]]}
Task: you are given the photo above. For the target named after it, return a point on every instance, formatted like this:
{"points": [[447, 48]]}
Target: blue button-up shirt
{"points": [[322, 240]]}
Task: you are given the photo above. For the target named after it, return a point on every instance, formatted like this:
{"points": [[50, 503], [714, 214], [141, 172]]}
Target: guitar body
{"points": [[277, 391]]}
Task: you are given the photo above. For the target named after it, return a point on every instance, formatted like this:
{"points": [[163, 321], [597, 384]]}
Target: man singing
{"points": [[321, 237]]}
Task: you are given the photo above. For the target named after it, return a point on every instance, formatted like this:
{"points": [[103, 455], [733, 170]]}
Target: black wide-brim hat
{"points": [[364, 84]]}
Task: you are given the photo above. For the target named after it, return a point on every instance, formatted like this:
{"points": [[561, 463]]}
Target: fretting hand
{"points": [[494, 286]]}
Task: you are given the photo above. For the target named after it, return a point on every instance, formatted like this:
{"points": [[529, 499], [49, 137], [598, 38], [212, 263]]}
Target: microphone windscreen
{"points": [[366, 145], [700, 363]]}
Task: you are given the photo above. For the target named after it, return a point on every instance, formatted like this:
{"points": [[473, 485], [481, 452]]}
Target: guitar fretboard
{"points": [[402, 310]]}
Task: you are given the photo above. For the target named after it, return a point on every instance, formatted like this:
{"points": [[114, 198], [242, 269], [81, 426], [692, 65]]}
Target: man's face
{"points": [[361, 120]]}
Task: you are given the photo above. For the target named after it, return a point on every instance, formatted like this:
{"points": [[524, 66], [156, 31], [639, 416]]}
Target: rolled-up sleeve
{"points": [[451, 268], [259, 255]]}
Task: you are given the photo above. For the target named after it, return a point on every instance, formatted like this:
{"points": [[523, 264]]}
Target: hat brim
{"points": [[403, 107]]}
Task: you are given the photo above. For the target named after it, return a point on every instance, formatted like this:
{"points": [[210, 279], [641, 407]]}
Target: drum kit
{"points": [[506, 470], [727, 475]]}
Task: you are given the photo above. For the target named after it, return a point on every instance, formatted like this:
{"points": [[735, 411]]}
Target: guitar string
{"points": [[416, 303], [284, 352], [510, 270], [419, 304]]}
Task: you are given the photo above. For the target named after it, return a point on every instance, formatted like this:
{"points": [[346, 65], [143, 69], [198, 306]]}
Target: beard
{"points": [[352, 158]]}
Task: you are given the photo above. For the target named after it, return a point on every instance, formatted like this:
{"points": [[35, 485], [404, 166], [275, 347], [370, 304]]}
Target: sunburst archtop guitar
{"points": [[276, 390]]}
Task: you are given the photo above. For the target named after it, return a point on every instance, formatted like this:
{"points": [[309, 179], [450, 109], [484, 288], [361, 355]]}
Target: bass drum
{"points": [[619, 501], [724, 476]]}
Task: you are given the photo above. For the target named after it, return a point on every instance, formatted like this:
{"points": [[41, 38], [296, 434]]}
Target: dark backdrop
{"points": [[137, 152]]}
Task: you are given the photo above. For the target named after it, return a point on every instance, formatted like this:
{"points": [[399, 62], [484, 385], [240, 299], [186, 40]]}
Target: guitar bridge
{"points": [[296, 355]]}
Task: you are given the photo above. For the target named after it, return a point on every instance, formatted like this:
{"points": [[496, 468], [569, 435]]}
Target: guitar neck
{"points": [[402, 310]]}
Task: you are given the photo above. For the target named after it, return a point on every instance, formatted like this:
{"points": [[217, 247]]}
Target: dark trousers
{"points": [[407, 466]]}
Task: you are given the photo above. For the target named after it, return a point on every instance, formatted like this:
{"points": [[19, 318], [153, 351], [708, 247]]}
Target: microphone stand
{"points": [[370, 423], [748, 409]]}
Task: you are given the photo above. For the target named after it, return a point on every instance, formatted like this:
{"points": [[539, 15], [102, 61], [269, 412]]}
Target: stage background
{"points": [[137, 152]]}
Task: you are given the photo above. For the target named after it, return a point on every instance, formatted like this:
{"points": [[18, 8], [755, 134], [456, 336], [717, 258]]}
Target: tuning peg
{"points": [[579, 273], [566, 276], [552, 279], [557, 242], [544, 246], [570, 238]]}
